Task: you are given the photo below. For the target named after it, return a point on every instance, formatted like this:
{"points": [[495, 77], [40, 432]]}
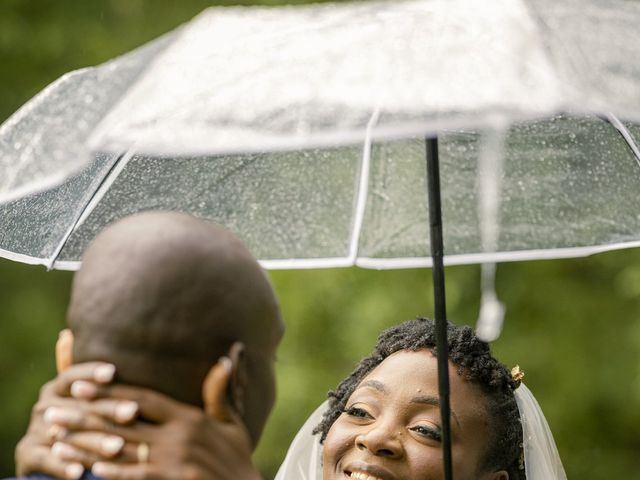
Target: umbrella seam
{"points": [[625, 133], [363, 188], [91, 203]]}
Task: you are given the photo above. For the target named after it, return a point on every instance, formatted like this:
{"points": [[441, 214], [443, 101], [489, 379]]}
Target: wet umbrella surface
{"points": [[263, 120]]}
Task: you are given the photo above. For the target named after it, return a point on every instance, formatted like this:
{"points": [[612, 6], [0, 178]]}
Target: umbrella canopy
{"points": [[302, 129]]}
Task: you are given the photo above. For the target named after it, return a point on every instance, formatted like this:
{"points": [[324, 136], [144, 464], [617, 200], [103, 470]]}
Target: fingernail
{"points": [[104, 373], [226, 363], [73, 471], [63, 451], [83, 390], [126, 411], [101, 469], [64, 333], [51, 415], [60, 416], [111, 445]]}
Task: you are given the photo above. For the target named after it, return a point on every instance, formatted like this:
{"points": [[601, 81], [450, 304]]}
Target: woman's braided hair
{"points": [[475, 364]]}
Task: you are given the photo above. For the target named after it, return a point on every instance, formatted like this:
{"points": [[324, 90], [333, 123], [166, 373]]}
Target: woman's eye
{"points": [[357, 412], [428, 432]]}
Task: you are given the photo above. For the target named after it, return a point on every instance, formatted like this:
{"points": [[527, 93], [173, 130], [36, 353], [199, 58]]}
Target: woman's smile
{"points": [[364, 471]]}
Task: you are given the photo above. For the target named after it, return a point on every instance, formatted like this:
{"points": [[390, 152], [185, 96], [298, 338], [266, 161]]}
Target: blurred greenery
{"points": [[573, 325]]}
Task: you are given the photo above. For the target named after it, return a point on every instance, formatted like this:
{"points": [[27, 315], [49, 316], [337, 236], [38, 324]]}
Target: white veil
{"points": [[304, 457], [542, 462], [541, 458]]}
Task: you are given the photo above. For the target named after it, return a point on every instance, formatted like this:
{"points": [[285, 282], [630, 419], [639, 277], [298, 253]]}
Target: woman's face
{"points": [[390, 429]]}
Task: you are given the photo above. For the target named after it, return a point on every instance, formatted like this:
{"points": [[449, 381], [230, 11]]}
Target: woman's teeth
{"points": [[363, 476]]}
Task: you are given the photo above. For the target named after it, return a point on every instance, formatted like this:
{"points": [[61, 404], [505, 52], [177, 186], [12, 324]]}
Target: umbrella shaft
{"points": [[437, 252]]}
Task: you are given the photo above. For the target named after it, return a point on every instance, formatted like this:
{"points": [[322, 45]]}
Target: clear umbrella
{"points": [[303, 129]]}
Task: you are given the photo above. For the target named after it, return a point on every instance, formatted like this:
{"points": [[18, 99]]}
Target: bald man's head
{"points": [[164, 295]]}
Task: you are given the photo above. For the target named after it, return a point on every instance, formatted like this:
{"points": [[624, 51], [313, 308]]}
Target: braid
{"points": [[475, 364]]}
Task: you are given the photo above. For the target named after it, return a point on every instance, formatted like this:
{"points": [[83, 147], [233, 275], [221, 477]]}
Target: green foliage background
{"points": [[573, 325]]}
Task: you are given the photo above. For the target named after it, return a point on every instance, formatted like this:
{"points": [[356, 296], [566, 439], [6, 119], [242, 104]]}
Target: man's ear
{"points": [[224, 386], [64, 350], [239, 377]]}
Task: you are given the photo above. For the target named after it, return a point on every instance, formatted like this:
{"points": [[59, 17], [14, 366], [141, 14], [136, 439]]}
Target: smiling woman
{"points": [[383, 421], [390, 427]]}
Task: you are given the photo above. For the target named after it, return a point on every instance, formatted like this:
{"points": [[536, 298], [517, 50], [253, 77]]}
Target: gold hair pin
{"points": [[517, 375]]}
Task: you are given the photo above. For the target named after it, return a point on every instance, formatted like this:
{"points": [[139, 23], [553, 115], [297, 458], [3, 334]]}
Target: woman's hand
{"points": [[179, 441], [173, 440], [33, 453]]}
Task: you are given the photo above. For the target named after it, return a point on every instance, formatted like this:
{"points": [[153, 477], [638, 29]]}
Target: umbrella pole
{"points": [[437, 253]]}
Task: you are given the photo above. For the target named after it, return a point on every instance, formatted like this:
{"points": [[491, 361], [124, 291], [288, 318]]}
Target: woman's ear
{"points": [[64, 350]]}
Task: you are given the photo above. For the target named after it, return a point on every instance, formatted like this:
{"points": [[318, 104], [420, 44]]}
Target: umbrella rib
{"points": [[394, 262], [91, 202], [363, 188], [626, 134], [496, 257]]}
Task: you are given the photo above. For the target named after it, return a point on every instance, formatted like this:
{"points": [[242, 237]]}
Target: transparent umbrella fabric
{"points": [[302, 129], [44, 142], [295, 77], [316, 75], [569, 188]]}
